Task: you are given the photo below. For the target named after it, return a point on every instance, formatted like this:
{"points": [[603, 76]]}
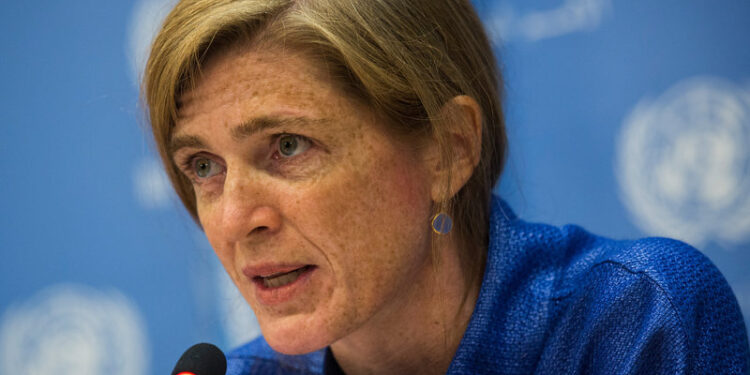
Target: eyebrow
{"points": [[243, 130]]}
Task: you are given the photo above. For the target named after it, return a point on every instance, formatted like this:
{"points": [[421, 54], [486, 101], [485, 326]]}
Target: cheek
{"points": [[374, 220]]}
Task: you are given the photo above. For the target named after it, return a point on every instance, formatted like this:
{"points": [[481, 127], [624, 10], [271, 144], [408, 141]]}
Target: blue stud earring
{"points": [[442, 223]]}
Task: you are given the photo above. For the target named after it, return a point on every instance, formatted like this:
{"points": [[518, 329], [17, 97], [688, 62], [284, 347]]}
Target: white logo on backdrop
{"points": [[145, 21], [151, 184], [506, 24], [76, 330], [683, 162], [239, 322]]}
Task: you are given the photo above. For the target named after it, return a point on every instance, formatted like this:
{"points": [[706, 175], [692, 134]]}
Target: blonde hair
{"points": [[404, 58]]}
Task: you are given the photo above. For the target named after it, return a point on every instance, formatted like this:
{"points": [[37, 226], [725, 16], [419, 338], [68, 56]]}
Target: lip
{"points": [[277, 295]]}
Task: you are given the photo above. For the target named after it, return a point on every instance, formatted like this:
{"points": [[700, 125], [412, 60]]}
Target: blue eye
{"points": [[291, 145], [205, 167]]}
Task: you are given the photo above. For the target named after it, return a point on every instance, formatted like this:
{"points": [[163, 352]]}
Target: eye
{"points": [[205, 167], [292, 144]]}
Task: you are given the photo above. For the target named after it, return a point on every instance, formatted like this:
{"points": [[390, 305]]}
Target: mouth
{"points": [[281, 279], [277, 284]]}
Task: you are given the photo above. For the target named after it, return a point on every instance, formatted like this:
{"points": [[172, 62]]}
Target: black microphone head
{"points": [[202, 359]]}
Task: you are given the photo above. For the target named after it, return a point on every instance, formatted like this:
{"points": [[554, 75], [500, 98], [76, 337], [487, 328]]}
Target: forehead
{"points": [[245, 81]]}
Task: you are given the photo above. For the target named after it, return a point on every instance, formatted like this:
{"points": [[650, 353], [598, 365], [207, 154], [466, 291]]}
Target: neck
{"points": [[419, 333]]}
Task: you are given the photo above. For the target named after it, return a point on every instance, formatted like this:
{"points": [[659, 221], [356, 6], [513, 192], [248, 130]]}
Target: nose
{"points": [[248, 208]]}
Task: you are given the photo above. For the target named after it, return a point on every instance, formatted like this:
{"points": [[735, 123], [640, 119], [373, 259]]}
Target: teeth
{"points": [[281, 280]]}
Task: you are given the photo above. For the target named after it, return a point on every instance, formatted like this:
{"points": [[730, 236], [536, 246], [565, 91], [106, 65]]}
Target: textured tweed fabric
{"points": [[564, 301]]}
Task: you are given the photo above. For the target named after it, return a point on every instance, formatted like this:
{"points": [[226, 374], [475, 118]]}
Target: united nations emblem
{"points": [[145, 21], [73, 329], [683, 162]]}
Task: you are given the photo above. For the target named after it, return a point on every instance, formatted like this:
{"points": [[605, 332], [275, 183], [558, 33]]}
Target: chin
{"points": [[291, 336]]}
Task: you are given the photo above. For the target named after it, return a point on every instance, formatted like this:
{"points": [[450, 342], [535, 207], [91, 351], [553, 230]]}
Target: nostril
{"points": [[259, 230]]}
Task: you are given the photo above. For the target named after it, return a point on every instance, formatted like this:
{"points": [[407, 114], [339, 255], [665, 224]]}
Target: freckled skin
{"points": [[357, 205]]}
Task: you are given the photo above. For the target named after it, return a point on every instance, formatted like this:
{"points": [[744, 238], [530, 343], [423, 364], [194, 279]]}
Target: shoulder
{"points": [[257, 357], [652, 303], [675, 272], [669, 264], [584, 298], [576, 257]]}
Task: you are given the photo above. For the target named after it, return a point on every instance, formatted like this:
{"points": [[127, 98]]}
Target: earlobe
{"points": [[462, 121]]}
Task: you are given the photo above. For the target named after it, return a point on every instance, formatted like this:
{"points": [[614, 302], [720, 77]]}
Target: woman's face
{"points": [[320, 218]]}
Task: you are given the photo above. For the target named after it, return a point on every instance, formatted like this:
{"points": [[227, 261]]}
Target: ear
{"points": [[463, 121]]}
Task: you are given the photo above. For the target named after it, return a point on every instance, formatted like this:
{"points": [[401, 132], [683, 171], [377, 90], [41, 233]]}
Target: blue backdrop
{"points": [[631, 118]]}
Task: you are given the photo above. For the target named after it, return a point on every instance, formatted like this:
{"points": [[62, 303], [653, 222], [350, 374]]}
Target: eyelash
{"points": [[188, 165]]}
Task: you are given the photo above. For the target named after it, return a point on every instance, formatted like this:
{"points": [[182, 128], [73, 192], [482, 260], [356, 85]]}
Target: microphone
{"points": [[201, 359]]}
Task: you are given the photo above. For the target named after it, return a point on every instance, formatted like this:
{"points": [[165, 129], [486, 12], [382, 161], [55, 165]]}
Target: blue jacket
{"points": [[564, 301]]}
